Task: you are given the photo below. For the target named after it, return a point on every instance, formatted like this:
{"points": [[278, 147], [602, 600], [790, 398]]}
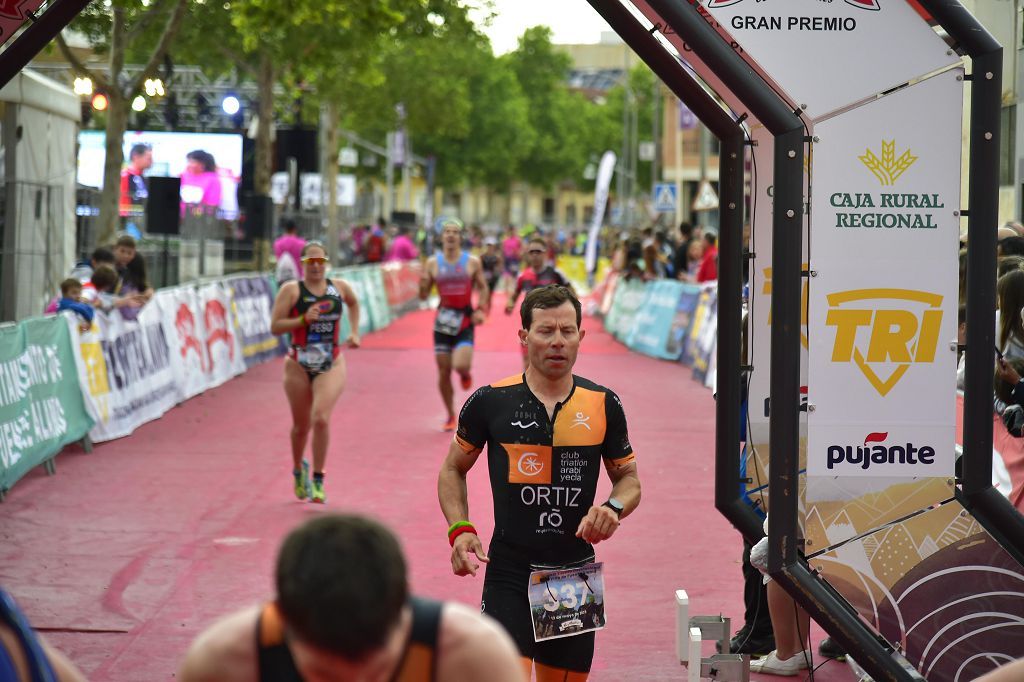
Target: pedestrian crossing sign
{"points": [[706, 199], [665, 197]]}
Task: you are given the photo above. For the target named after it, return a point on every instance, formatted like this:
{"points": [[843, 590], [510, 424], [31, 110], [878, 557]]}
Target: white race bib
{"points": [[567, 602]]}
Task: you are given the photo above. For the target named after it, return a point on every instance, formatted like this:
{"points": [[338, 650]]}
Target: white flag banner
{"points": [[883, 303], [601, 187]]}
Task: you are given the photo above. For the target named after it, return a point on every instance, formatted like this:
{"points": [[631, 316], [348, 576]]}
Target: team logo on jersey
{"points": [[528, 463], [581, 420], [884, 342], [887, 168]]}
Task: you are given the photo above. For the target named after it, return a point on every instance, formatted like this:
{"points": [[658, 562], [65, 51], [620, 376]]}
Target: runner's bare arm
{"points": [[225, 652], [427, 279], [475, 648], [480, 283], [601, 522], [11, 644], [454, 499], [348, 295], [1012, 672], [280, 322]]}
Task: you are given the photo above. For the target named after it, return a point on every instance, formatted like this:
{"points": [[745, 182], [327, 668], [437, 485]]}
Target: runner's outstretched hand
{"points": [[353, 340], [466, 544], [479, 317], [599, 524]]}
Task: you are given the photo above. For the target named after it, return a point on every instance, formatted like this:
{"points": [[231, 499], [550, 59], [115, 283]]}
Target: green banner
{"points": [[378, 295], [629, 296], [41, 406]]}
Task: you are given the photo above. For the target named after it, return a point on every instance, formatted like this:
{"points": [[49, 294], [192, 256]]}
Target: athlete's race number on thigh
{"points": [[567, 602]]}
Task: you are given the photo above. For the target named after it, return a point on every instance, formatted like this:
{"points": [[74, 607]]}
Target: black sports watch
{"points": [[615, 506]]}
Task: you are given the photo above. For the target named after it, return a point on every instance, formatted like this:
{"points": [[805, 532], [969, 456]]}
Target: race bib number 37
{"points": [[567, 602]]}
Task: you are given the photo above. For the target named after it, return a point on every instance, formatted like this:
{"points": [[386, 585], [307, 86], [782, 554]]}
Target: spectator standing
{"points": [[71, 299], [292, 244], [1010, 295], [375, 244], [402, 247], [708, 271], [135, 288]]}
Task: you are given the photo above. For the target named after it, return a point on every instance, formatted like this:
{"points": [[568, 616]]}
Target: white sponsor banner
{"points": [[126, 372], [883, 304], [179, 308], [829, 55], [220, 334]]}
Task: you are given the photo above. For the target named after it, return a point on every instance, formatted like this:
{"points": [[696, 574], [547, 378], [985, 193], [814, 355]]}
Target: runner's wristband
{"points": [[468, 528], [302, 319], [458, 524]]}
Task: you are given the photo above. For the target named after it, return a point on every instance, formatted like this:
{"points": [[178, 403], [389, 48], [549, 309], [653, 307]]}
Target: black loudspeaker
{"points": [[259, 217], [300, 144], [246, 186], [403, 218], [163, 207]]}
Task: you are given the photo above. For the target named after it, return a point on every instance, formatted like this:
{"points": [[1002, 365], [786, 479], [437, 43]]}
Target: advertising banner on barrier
{"points": [[683, 320], [402, 284], [126, 372], [254, 300], [779, 36], [223, 348], [881, 371], [179, 307], [704, 334], [652, 326], [360, 284], [629, 296], [41, 408], [377, 297]]}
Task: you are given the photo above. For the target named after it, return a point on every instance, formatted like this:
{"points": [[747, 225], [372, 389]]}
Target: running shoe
{"points": [[449, 425], [318, 492], [467, 382], [302, 486]]}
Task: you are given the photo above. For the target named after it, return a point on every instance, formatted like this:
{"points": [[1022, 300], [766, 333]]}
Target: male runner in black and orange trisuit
{"points": [[547, 432], [343, 613], [456, 274]]}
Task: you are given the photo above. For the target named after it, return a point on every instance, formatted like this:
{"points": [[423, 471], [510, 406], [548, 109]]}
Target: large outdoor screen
{"points": [[169, 159]]}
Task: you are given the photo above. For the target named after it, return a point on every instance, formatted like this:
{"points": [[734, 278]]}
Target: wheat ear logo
{"points": [[887, 168]]}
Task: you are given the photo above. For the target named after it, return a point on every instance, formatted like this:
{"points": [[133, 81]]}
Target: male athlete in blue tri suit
{"points": [[456, 273]]}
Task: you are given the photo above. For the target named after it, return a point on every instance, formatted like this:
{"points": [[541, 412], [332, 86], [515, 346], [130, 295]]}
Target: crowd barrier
{"points": [[59, 385], [678, 321]]}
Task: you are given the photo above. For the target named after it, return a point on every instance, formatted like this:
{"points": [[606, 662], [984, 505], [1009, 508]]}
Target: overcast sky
{"points": [[572, 21]]}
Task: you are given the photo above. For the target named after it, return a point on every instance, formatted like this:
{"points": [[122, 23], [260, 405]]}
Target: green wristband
{"points": [[458, 524]]}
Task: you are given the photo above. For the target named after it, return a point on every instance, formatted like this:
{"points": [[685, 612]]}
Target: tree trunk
{"points": [[117, 123], [330, 176], [264, 158]]}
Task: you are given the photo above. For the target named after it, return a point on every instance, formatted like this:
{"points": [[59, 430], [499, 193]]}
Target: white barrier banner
{"points": [[221, 342], [884, 241], [126, 372], [178, 307]]}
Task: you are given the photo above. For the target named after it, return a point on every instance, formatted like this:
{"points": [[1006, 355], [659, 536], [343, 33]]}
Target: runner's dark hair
{"points": [[341, 584], [550, 296], [311, 244]]}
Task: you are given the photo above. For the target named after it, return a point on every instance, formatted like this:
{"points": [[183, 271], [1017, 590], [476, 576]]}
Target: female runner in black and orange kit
{"points": [[314, 370]]}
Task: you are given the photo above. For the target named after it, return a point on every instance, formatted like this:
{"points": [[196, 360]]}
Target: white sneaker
{"points": [[773, 665]]}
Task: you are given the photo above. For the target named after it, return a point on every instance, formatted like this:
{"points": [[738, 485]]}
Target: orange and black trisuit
{"points": [[544, 476], [418, 663], [315, 345]]}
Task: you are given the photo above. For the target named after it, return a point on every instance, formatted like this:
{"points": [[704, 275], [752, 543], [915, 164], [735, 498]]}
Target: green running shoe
{"points": [[318, 492], [302, 485]]}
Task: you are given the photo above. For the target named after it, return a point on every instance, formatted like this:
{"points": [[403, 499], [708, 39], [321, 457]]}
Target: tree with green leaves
{"points": [[122, 29]]}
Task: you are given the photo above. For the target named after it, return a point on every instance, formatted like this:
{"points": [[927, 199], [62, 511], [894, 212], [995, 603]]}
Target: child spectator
{"points": [[104, 282], [71, 299]]}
